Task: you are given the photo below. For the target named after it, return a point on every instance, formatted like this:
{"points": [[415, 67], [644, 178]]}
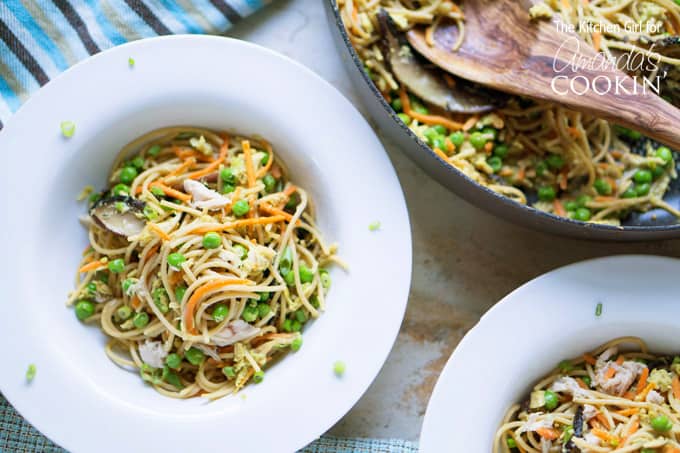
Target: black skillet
{"points": [[651, 225]]}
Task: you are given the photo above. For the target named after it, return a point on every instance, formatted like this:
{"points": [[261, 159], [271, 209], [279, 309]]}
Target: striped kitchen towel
{"points": [[40, 38]]}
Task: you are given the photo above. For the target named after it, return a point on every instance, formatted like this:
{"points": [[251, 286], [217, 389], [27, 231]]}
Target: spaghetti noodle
{"points": [[563, 162], [615, 398], [204, 262]]}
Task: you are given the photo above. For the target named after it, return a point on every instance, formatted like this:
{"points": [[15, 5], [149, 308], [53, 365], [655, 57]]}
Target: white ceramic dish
{"points": [[536, 326], [79, 398]]}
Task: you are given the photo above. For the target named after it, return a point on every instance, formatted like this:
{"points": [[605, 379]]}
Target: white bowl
{"points": [[538, 325], [79, 398]]}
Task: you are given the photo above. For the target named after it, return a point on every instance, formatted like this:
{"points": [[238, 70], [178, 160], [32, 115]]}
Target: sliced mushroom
{"points": [[425, 80], [119, 214]]}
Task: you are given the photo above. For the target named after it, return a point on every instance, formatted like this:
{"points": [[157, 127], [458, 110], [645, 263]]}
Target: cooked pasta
{"points": [[619, 397], [560, 161], [204, 261]]}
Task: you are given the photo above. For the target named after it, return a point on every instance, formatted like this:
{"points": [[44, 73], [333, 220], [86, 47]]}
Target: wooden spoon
{"points": [[506, 50]]}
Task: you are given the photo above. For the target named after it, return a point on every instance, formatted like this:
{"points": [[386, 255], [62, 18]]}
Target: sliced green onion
{"points": [[598, 309], [68, 128], [30, 372], [339, 368], [375, 226]]}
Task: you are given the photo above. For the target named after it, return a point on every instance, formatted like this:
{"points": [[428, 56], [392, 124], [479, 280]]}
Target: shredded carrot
{"points": [[159, 231], [152, 251], [263, 171], [628, 412], [603, 420], [559, 209], [521, 174], [175, 278], [589, 359], [488, 147], [290, 190], [643, 395], [548, 433], [202, 291], [675, 384], [632, 430], [426, 119], [275, 211], [669, 27], [239, 224], [214, 165], [441, 154], [609, 373], [186, 153], [616, 154], [670, 449], [172, 192], [581, 383], [597, 40], [188, 163], [603, 199], [135, 302], [629, 395], [574, 132], [620, 359], [450, 147], [605, 436], [642, 382], [92, 266]]}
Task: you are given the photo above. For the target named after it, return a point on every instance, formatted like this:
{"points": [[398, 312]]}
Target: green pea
{"points": [[240, 208], [651, 450], [176, 259], [404, 118], [264, 297], [265, 159], [554, 161], [241, 251], [194, 356], [179, 292], [212, 240], [227, 175], [120, 189], [140, 320], [296, 344], [546, 193], [296, 326], [551, 400], [229, 372], [642, 176], [95, 197], [418, 107], [300, 316], [160, 299], [171, 378], [495, 162], [657, 171], [642, 189], [84, 309], [220, 312], [157, 191], [478, 140], [315, 302], [127, 175], [116, 266], [630, 192], [91, 288], [173, 361], [603, 187], [263, 309], [582, 200], [457, 138], [541, 168], [137, 162], [289, 278], [565, 366], [397, 105], [571, 205], [490, 131], [258, 377], [664, 153], [439, 143], [269, 183], [123, 313], [154, 150], [587, 380], [511, 442], [501, 150], [441, 130], [661, 424], [582, 214], [631, 134], [431, 134], [249, 314], [287, 325], [306, 275], [292, 201]]}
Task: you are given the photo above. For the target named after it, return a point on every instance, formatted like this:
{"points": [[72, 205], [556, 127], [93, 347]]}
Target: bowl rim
{"points": [[357, 381], [515, 306], [454, 172]]}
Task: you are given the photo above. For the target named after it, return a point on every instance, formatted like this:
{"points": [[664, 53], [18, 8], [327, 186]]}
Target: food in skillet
{"points": [[610, 399], [204, 262], [559, 161]]}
